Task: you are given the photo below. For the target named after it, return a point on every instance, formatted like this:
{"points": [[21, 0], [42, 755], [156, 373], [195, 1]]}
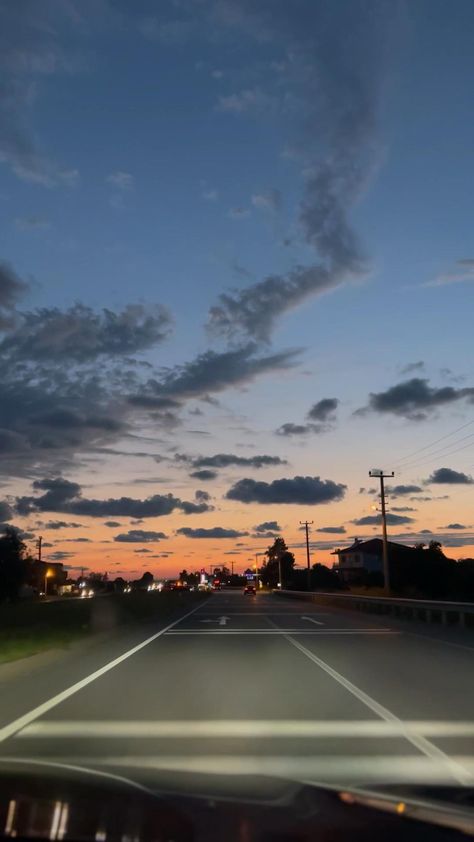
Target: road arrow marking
{"points": [[223, 621], [316, 622]]}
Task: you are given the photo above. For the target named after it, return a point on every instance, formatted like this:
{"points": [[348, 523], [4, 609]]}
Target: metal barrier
{"points": [[422, 609]]}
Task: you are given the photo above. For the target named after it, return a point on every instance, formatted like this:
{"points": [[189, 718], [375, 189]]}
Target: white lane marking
{"points": [[218, 728], [339, 769], [310, 619], [462, 775], [440, 640], [22, 721], [283, 632]]}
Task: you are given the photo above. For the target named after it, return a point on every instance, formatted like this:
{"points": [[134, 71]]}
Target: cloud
{"points": [[333, 91], [446, 476], [324, 409], [214, 532], [410, 367], [376, 520], [250, 100], [121, 180], [332, 529], [268, 526], [62, 524], [298, 490], [204, 475], [139, 536], [463, 271], [82, 334], [12, 288], [400, 490], [454, 526], [268, 201], [214, 371], [6, 511], [60, 555], [202, 495], [290, 429], [225, 460], [111, 523], [33, 39], [61, 495], [403, 509], [414, 399]]}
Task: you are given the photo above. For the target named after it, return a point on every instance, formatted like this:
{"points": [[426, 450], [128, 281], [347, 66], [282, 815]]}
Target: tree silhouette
{"points": [[277, 555], [13, 567]]}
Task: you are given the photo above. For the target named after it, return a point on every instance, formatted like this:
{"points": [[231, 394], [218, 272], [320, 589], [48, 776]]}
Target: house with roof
{"points": [[364, 557]]}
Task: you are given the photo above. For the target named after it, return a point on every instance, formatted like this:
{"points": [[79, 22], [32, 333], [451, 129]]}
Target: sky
{"points": [[236, 274]]}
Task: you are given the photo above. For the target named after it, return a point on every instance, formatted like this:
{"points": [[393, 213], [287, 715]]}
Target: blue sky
{"points": [[164, 154]]}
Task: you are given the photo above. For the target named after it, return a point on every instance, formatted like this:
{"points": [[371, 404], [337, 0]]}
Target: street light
{"points": [[48, 575]]}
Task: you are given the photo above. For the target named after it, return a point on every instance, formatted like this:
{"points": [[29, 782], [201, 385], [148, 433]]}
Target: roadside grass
{"points": [[27, 628]]}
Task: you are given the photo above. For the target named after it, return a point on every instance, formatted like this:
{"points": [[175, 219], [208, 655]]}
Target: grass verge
{"points": [[27, 628]]}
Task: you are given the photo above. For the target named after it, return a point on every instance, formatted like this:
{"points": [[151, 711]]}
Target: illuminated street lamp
{"points": [[48, 575]]}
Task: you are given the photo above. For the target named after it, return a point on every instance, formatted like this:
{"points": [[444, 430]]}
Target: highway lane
{"points": [[267, 685]]}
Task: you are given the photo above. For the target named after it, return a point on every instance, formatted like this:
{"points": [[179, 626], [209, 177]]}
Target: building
{"points": [[364, 557]]}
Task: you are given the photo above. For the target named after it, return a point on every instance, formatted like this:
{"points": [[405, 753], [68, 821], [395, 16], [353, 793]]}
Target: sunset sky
{"points": [[236, 273]]}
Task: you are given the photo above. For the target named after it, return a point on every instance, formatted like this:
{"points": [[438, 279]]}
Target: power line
{"points": [[436, 441], [439, 452], [437, 458]]}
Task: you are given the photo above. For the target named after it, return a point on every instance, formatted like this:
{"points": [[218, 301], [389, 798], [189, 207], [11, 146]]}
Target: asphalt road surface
{"points": [[255, 684]]}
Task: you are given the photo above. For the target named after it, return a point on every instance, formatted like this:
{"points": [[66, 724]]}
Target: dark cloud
{"points": [[268, 526], [204, 475], [61, 495], [324, 409], [214, 532], [447, 476], [139, 536], [414, 399], [410, 367], [400, 490], [6, 511], [60, 555], [376, 520], [12, 288], [202, 495], [454, 526], [63, 524], [301, 490], [332, 89], [403, 509], [213, 372], [111, 523], [332, 529], [290, 429], [225, 460], [81, 334]]}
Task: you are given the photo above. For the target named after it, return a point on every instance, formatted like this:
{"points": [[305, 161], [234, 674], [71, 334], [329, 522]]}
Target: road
{"points": [[245, 684]]}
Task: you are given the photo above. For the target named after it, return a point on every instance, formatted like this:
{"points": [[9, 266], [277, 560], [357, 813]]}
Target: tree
{"points": [[278, 555], [119, 584], [147, 579], [13, 567], [184, 576]]}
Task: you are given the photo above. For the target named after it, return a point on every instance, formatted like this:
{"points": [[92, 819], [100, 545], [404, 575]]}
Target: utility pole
{"points": [[307, 524], [40, 541], [376, 473], [256, 572]]}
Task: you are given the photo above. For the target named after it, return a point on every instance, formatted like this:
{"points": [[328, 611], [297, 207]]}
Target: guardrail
{"points": [[422, 609]]}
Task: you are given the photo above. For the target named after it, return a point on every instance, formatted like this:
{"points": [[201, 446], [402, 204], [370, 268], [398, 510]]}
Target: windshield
{"points": [[236, 402]]}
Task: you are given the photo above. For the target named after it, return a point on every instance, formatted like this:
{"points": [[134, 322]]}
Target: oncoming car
{"points": [[249, 589]]}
